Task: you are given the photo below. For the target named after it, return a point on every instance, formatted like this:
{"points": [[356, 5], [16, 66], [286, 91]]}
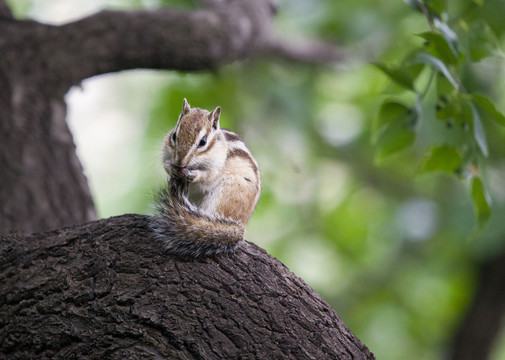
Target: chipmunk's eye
{"points": [[174, 136], [203, 141]]}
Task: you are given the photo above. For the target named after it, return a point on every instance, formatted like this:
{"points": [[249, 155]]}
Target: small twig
{"points": [[428, 85], [426, 13]]}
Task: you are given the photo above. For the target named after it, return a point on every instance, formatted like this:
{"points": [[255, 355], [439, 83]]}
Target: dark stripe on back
{"points": [[243, 154], [238, 153], [231, 136]]}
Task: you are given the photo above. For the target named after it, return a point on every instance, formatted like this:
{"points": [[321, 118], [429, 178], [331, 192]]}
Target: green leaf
{"points": [[455, 108], [447, 33], [438, 65], [485, 103], [440, 47], [437, 6], [399, 75], [479, 2], [390, 112], [412, 3], [478, 131], [397, 131], [444, 86], [481, 202], [482, 41], [444, 158], [394, 139]]}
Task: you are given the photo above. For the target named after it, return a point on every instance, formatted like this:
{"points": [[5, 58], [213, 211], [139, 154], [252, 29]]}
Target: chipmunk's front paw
{"points": [[193, 175]]}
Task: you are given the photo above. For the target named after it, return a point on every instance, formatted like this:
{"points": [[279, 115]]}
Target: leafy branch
{"points": [[450, 44]]}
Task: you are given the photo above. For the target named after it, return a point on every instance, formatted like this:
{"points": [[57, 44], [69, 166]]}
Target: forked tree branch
{"points": [[207, 38]]}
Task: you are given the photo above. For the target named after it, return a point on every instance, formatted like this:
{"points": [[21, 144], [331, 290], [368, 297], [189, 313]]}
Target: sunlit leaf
{"points": [[478, 131], [438, 65], [394, 139], [454, 107], [482, 40], [398, 129], [440, 47], [479, 2], [444, 158], [390, 112], [445, 107], [447, 33], [437, 6], [399, 75], [444, 86], [481, 202], [484, 103]]}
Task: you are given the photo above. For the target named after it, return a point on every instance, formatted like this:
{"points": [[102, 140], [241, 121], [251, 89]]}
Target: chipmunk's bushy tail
{"points": [[187, 231]]}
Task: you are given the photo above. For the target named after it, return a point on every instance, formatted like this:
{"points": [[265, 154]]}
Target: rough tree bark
{"points": [[105, 289]]}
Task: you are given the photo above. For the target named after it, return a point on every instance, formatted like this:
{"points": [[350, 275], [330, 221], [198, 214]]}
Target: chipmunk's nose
{"points": [[180, 161]]}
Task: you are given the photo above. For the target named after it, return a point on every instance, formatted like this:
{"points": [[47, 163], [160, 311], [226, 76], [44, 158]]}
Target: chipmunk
{"points": [[213, 186]]}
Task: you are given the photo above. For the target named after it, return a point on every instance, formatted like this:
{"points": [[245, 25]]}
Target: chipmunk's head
{"points": [[189, 145]]}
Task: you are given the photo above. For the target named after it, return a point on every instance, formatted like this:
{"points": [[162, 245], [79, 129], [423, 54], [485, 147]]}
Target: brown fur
{"points": [[230, 136], [189, 128], [222, 173], [241, 205], [243, 154]]}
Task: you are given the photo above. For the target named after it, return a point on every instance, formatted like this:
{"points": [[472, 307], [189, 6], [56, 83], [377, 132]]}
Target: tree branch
{"points": [[222, 33], [107, 290], [303, 51], [172, 39]]}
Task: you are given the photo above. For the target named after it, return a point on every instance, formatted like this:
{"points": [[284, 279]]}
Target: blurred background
{"points": [[395, 254]]}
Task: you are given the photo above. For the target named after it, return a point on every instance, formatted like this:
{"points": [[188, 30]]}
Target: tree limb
{"points": [[107, 290], [165, 39], [111, 41], [303, 51]]}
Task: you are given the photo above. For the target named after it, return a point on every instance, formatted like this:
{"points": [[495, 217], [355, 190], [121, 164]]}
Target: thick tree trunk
{"points": [[106, 290], [42, 185]]}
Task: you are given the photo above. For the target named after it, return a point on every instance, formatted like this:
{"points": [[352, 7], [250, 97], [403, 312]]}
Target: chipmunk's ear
{"points": [[185, 107], [214, 117]]}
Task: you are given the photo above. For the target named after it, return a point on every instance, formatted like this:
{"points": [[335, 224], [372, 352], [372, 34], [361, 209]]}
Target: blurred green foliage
{"points": [[372, 174], [453, 42]]}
